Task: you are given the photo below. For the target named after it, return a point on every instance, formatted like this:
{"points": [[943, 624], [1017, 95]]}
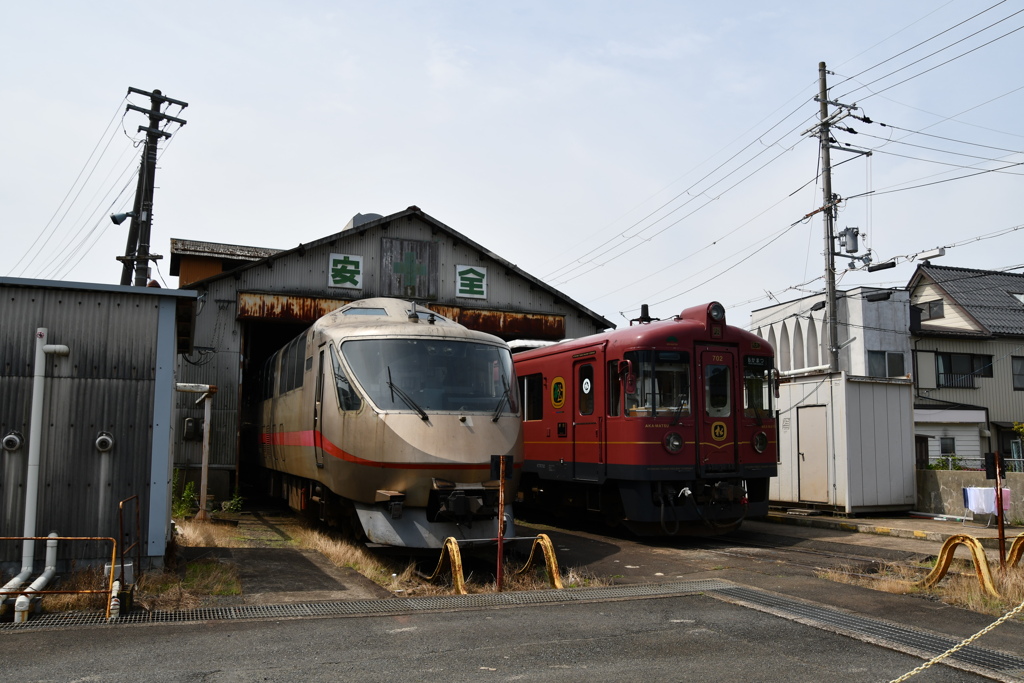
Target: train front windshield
{"points": [[431, 375]]}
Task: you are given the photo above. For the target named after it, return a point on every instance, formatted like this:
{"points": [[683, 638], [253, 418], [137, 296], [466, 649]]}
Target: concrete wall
{"points": [[940, 491]]}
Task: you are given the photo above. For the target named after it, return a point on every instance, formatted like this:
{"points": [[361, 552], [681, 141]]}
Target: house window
{"points": [[930, 310], [958, 370], [947, 445], [886, 364], [1018, 373]]}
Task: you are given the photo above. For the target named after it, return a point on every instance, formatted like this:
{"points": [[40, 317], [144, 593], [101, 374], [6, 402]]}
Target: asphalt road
{"points": [[666, 639], [679, 638]]}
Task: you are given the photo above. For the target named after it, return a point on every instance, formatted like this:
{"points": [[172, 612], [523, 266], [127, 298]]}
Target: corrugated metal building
{"points": [[118, 378], [249, 311]]}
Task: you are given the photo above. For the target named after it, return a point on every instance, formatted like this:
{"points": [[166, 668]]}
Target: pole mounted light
{"points": [[119, 218]]}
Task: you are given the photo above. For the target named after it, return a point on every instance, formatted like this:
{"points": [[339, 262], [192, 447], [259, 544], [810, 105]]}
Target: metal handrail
{"points": [[137, 543]]}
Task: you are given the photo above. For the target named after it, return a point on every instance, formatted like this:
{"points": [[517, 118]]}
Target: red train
{"points": [[665, 426]]}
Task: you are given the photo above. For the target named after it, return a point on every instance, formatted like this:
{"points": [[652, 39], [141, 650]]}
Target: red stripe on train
{"points": [[311, 439]]}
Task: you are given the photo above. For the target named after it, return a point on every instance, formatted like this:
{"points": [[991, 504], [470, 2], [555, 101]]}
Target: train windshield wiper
{"points": [[395, 389], [501, 401]]}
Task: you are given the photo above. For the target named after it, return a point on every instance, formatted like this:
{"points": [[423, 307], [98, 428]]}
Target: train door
{"points": [[717, 408], [318, 407], [587, 432], [812, 453]]}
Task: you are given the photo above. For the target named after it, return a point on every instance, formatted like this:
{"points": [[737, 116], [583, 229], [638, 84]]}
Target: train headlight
{"points": [[673, 442], [717, 312], [760, 442]]}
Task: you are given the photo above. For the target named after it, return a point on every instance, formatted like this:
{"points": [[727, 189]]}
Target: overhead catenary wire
{"points": [[48, 230], [604, 248]]}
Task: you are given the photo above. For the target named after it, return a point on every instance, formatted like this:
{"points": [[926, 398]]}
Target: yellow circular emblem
{"points": [[557, 392], [719, 431]]}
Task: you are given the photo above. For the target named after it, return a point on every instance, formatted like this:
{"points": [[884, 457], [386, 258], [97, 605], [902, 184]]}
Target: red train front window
{"points": [[717, 394], [662, 383]]}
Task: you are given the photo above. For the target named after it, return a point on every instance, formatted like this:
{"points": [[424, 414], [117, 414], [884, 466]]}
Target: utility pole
{"points": [[828, 204], [137, 255]]}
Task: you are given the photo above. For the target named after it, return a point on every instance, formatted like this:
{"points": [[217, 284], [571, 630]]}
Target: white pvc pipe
{"points": [[34, 449], [24, 600]]}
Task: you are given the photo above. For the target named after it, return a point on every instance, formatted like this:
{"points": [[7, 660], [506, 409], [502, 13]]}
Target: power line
{"points": [[50, 228], [927, 40], [952, 59], [577, 263]]}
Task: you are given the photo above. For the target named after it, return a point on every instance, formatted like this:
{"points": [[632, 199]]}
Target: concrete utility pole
{"points": [[137, 256], [829, 209]]}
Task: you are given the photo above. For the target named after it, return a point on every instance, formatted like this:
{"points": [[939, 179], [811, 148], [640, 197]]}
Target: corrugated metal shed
{"points": [[118, 378], [246, 314]]}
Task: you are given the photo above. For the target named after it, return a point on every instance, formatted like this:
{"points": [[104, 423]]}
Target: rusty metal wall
{"points": [[109, 382]]}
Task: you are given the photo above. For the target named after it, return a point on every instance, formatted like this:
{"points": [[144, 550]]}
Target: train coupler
{"points": [[392, 500]]}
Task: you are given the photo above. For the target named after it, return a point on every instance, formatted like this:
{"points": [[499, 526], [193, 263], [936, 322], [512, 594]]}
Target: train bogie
{"points": [[666, 427], [387, 415]]}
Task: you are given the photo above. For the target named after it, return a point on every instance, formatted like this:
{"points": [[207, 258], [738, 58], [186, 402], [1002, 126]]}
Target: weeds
{"points": [[960, 587]]}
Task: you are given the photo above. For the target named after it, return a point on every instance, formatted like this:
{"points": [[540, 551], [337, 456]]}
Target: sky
{"points": [[655, 152]]}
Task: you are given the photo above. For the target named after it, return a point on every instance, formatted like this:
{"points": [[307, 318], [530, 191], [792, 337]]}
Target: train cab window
{"points": [[717, 391], [532, 389], [429, 375], [348, 398], [585, 389], [662, 383], [757, 386]]}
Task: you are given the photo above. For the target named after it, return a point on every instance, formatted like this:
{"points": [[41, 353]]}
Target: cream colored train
{"points": [[385, 414]]}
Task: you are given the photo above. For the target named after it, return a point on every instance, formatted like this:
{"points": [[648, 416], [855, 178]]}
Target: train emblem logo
{"points": [[557, 392], [719, 431]]}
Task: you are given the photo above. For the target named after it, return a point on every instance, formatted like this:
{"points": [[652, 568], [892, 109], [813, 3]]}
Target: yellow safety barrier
{"points": [[551, 563], [450, 552], [1016, 552], [946, 557]]}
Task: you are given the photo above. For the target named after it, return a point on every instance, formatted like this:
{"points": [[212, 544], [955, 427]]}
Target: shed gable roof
{"points": [[363, 227]]}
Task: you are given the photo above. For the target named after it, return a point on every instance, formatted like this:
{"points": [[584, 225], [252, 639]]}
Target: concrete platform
{"points": [[902, 526]]}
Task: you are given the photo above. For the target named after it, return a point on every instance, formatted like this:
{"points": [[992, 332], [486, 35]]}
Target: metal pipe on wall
{"points": [[34, 451]]}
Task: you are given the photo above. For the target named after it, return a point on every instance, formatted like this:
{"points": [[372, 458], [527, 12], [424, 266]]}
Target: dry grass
{"points": [[91, 578], [960, 587], [195, 534]]}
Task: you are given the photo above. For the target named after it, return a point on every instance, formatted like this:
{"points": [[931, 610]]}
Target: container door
{"points": [[318, 405], [588, 450], [812, 453], [717, 383]]}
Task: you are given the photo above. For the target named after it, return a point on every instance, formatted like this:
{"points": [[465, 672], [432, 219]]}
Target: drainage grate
{"points": [[885, 634], [901, 638], [368, 607]]}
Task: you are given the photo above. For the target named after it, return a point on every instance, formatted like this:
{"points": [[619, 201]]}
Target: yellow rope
{"points": [[1009, 615]]}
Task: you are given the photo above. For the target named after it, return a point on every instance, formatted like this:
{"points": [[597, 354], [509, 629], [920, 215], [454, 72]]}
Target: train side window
{"points": [[348, 399], [614, 388], [757, 390], [585, 389], [717, 395], [292, 363], [531, 387]]}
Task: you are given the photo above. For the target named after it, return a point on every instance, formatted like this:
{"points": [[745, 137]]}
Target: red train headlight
{"points": [[673, 442], [760, 442]]}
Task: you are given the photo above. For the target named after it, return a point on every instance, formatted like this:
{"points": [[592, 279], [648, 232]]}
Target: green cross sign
{"points": [[409, 268]]}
